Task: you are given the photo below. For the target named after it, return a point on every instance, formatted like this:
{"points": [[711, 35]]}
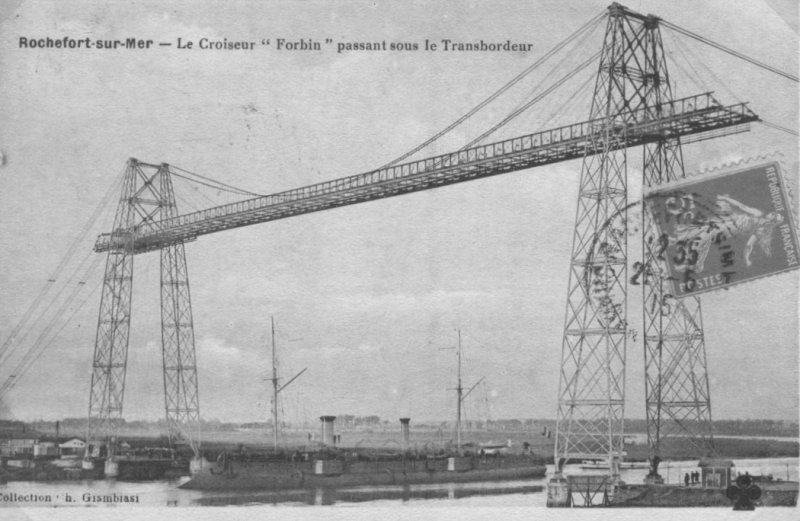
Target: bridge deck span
{"points": [[683, 117]]}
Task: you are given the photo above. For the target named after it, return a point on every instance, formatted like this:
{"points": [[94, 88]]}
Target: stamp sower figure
{"points": [[731, 218]]}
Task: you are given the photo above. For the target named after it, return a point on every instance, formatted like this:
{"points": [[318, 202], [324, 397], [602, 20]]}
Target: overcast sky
{"points": [[367, 297]]}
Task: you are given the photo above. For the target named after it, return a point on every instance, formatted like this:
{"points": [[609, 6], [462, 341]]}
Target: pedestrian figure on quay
{"points": [[686, 479]]}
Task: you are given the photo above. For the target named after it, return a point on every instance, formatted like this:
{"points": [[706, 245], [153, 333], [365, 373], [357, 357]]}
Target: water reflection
{"points": [[326, 496], [518, 493]]}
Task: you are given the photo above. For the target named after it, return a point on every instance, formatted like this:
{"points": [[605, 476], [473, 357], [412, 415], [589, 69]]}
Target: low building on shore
{"points": [[716, 472], [72, 448], [19, 444]]}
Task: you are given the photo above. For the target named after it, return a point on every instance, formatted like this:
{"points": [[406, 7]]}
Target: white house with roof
{"points": [[72, 448]]}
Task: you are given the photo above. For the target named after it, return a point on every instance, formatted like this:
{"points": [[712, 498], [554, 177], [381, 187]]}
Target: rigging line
{"points": [[30, 358], [48, 285], [500, 91], [556, 68], [25, 317], [730, 51], [184, 197], [695, 78], [778, 127], [184, 201], [39, 346], [101, 206], [9, 347], [573, 96], [215, 187], [525, 107], [204, 196], [561, 62], [63, 307], [681, 46], [240, 190], [12, 381]]}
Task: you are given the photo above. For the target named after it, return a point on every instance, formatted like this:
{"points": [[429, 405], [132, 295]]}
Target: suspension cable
{"points": [[39, 345], [778, 127], [718, 82], [578, 45], [569, 102], [215, 187], [22, 369], [500, 91], [681, 46], [50, 283], [11, 348], [538, 98], [730, 51], [695, 77], [219, 185]]}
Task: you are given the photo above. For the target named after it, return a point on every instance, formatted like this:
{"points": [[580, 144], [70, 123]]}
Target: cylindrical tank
{"points": [[327, 435], [405, 432]]}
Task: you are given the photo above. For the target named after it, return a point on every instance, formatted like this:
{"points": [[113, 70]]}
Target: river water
{"points": [[519, 494]]}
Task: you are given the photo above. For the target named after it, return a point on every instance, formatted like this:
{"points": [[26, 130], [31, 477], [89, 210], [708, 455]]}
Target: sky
{"points": [[369, 297]]}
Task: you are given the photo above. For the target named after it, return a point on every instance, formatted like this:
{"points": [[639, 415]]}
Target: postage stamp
{"points": [[726, 229]]}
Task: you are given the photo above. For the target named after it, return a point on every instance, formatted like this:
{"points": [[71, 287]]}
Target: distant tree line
{"points": [[737, 427]]}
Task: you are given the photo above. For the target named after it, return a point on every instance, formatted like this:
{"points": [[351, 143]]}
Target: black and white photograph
{"points": [[404, 260]]}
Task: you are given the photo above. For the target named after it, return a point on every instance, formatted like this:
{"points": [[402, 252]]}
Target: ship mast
{"points": [[275, 388], [461, 395], [459, 391]]}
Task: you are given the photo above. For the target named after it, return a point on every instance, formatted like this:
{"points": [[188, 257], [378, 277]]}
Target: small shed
{"points": [[72, 448], [715, 472]]}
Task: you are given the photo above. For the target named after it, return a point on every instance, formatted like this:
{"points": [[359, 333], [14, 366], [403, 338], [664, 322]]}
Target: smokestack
{"points": [[404, 432], [327, 430]]}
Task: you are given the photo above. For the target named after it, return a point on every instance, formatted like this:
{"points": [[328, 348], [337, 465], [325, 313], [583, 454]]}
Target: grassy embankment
{"points": [[388, 440]]}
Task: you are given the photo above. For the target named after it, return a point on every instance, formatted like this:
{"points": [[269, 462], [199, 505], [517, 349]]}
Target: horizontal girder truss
{"points": [[686, 116]]}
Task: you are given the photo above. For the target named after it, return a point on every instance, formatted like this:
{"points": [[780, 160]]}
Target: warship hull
{"points": [[340, 474]]}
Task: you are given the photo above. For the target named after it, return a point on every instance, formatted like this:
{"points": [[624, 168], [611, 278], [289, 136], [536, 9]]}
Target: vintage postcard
{"points": [[411, 259]]}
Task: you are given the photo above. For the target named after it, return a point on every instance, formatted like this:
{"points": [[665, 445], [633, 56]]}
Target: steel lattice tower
{"points": [[677, 395], [632, 76], [113, 323], [181, 400], [147, 198]]}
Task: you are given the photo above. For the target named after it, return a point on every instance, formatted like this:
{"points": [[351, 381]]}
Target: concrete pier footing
{"points": [[111, 469], [196, 465], [558, 493]]}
